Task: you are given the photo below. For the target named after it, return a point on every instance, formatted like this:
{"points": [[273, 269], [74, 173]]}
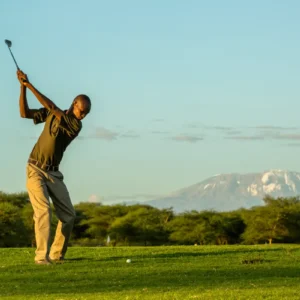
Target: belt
{"points": [[42, 166]]}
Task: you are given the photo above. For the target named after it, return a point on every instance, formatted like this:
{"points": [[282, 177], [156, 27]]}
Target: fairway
{"points": [[174, 272]]}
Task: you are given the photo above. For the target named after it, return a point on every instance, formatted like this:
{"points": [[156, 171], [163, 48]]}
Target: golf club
{"points": [[9, 44]]}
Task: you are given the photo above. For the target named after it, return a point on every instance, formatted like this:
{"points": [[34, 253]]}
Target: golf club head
{"points": [[8, 43]]}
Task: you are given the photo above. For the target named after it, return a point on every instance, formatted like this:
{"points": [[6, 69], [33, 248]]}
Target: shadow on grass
{"points": [[77, 259], [204, 253], [157, 254], [177, 254]]}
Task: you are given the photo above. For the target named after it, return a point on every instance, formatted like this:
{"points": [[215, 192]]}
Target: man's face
{"points": [[80, 109]]}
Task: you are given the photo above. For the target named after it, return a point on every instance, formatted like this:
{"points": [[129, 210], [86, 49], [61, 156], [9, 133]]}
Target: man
{"points": [[44, 179]]}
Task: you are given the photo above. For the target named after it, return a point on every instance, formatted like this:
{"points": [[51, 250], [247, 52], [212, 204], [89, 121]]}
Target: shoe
{"points": [[43, 262], [57, 260]]}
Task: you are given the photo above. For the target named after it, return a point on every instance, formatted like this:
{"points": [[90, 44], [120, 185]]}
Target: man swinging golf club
{"points": [[44, 179]]}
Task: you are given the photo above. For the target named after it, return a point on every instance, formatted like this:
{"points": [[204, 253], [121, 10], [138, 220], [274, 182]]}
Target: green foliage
{"points": [[16, 221], [17, 199], [93, 221], [28, 223], [145, 225], [207, 227], [278, 220], [274, 221], [12, 231]]}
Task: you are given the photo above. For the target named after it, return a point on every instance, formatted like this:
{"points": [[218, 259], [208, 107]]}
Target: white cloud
{"points": [[105, 134], [187, 138]]}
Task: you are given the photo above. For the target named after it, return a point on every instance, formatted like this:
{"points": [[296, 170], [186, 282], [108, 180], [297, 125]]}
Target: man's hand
{"points": [[22, 78]]}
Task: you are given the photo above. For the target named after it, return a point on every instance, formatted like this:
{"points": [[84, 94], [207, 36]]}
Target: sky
{"points": [[180, 91]]}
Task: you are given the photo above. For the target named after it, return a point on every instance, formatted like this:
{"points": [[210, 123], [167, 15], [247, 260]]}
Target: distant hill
{"points": [[225, 192]]}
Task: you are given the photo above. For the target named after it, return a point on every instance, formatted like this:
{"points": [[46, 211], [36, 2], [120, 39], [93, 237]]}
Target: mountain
{"points": [[224, 192]]}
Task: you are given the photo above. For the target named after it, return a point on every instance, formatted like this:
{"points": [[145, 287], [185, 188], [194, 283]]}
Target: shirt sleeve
{"points": [[70, 125], [40, 115]]}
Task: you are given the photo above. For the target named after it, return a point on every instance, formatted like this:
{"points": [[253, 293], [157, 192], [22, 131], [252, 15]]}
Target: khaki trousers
{"points": [[40, 186]]}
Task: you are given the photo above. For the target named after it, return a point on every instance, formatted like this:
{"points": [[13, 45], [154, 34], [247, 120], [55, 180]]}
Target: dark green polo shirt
{"points": [[55, 137]]}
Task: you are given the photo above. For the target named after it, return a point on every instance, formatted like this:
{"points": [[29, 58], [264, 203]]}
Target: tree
{"points": [[191, 228], [269, 222], [234, 226], [94, 220], [143, 224], [12, 230], [17, 199], [28, 222], [206, 227]]}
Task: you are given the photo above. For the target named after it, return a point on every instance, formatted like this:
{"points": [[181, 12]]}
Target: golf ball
{"points": [[128, 260]]}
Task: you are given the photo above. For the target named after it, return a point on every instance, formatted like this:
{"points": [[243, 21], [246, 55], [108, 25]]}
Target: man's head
{"points": [[81, 106]]}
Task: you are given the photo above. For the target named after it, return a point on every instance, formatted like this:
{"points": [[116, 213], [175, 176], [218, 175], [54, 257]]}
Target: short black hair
{"points": [[83, 97]]}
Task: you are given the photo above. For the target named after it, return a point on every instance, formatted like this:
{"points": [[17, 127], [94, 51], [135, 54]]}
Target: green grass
{"points": [[196, 272]]}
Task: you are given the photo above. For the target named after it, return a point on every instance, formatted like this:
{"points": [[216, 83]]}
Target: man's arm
{"points": [[47, 103], [25, 111]]}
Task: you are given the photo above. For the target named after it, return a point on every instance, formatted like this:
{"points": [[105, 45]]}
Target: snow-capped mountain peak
{"points": [[232, 191]]}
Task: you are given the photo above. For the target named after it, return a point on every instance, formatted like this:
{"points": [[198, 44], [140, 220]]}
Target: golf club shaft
{"points": [[8, 43], [14, 59]]}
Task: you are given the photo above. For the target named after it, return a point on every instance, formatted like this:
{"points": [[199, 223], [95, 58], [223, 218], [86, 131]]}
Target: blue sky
{"points": [[181, 90]]}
